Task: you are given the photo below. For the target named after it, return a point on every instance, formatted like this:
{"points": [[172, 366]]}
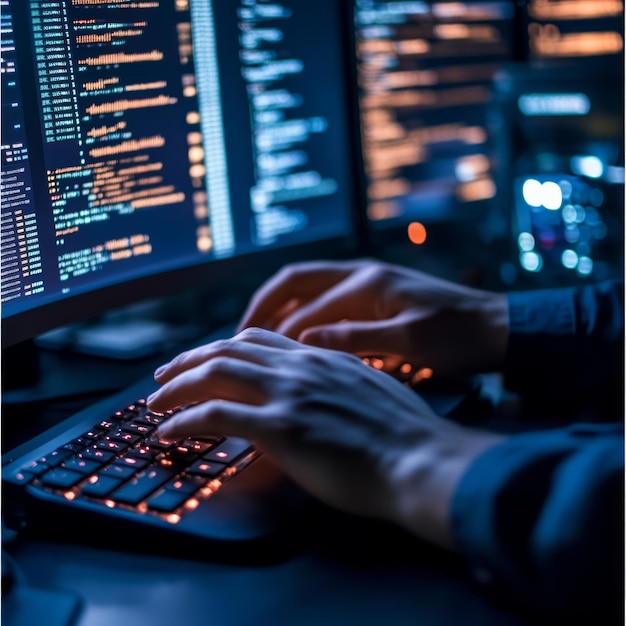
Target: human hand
{"points": [[352, 436], [370, 308]]}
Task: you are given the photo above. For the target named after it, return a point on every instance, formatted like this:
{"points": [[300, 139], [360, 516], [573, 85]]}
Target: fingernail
{"points": [[160, 370], [152, 397]]}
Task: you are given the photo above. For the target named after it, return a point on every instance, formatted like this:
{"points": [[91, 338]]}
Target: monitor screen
{"points": [[424, 72], [442, 146], [153, 144]]}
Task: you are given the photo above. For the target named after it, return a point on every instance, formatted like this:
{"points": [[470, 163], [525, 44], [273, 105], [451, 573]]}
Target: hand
{"points": [[352, 436], [370, 308]]}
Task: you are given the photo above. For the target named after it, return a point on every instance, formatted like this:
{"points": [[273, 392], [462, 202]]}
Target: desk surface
{"points": [[345, 578]]}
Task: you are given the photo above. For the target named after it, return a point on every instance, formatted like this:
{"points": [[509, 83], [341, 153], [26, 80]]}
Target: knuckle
{"points": [[248, 334]]}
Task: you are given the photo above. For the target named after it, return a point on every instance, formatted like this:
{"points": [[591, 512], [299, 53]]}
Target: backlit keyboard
{"points": [[120, 463]]}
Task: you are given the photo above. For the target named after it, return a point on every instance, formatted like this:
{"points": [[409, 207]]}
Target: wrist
{"points": [[427, 477]]}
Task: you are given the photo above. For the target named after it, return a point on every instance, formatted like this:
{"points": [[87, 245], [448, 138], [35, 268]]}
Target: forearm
{"points": [[426, 479], [539, 519], [569, 340]]}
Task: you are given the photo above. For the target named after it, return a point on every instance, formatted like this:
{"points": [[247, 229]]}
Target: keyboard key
{"points": [[124, 437], [138, 488], [157, 444], [78, 443], [167, 501], [84, 466], [36, 467], [106, 425], [133, 462], [135, 428], [228, 450], [95, 454], [55, 457], [186, 484], [117, 447], [151, 419], [118, 470], [210, 469], [143, 453], [62, 478], [180, 456], [100, 486], [197, 446]]}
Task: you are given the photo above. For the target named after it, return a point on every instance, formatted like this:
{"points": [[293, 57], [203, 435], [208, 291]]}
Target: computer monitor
{"points": [[424, 71], [149, 146], [438, 168]]}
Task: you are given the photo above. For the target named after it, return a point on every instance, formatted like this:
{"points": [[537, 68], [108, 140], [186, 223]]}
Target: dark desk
{"points": [[344, 571], [345, 581]]}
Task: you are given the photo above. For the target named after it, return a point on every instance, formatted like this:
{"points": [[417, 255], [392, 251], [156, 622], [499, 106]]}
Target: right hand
{"points": [[370, 308], [346, 433]]}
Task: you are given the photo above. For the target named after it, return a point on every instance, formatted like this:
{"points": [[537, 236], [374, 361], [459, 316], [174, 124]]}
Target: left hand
{"points": [[353, 436]]}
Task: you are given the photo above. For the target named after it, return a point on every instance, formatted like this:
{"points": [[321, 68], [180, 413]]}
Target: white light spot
{"points": [[551, 196], [532, 192], [526, 242], [589, 166], [531, 261], [568, 214], [569, 259], [585, 266]]}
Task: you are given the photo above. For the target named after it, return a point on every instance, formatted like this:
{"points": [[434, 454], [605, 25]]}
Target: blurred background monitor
{"points": [[559, 166], [440, 140]]}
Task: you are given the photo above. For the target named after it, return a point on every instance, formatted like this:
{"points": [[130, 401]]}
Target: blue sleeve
{"points": [[540, 520], [569, 339]]}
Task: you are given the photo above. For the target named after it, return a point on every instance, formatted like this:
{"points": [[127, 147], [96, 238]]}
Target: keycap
{"points": [[138, 488], [100, 486], [228, 450], [61, 478], [96, 454], [210, 469], [167, 501], [84, 466]]}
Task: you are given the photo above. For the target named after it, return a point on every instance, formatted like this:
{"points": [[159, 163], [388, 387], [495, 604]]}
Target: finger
{"points": [[298, 282], [381, 337], [229, 419], [221, 378], [349, 299], [247, 346]]}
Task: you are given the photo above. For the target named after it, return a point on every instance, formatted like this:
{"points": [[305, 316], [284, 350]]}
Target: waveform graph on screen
{"points": [[115, 118]]}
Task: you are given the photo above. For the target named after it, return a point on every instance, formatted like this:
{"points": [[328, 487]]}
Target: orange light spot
{"points": [[426, 372], [173, 518], [192, 504], [69, 495], [417, 233]]}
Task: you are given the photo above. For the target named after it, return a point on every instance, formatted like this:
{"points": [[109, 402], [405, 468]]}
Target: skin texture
{"points": [[291, 381], [371, 308]]}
